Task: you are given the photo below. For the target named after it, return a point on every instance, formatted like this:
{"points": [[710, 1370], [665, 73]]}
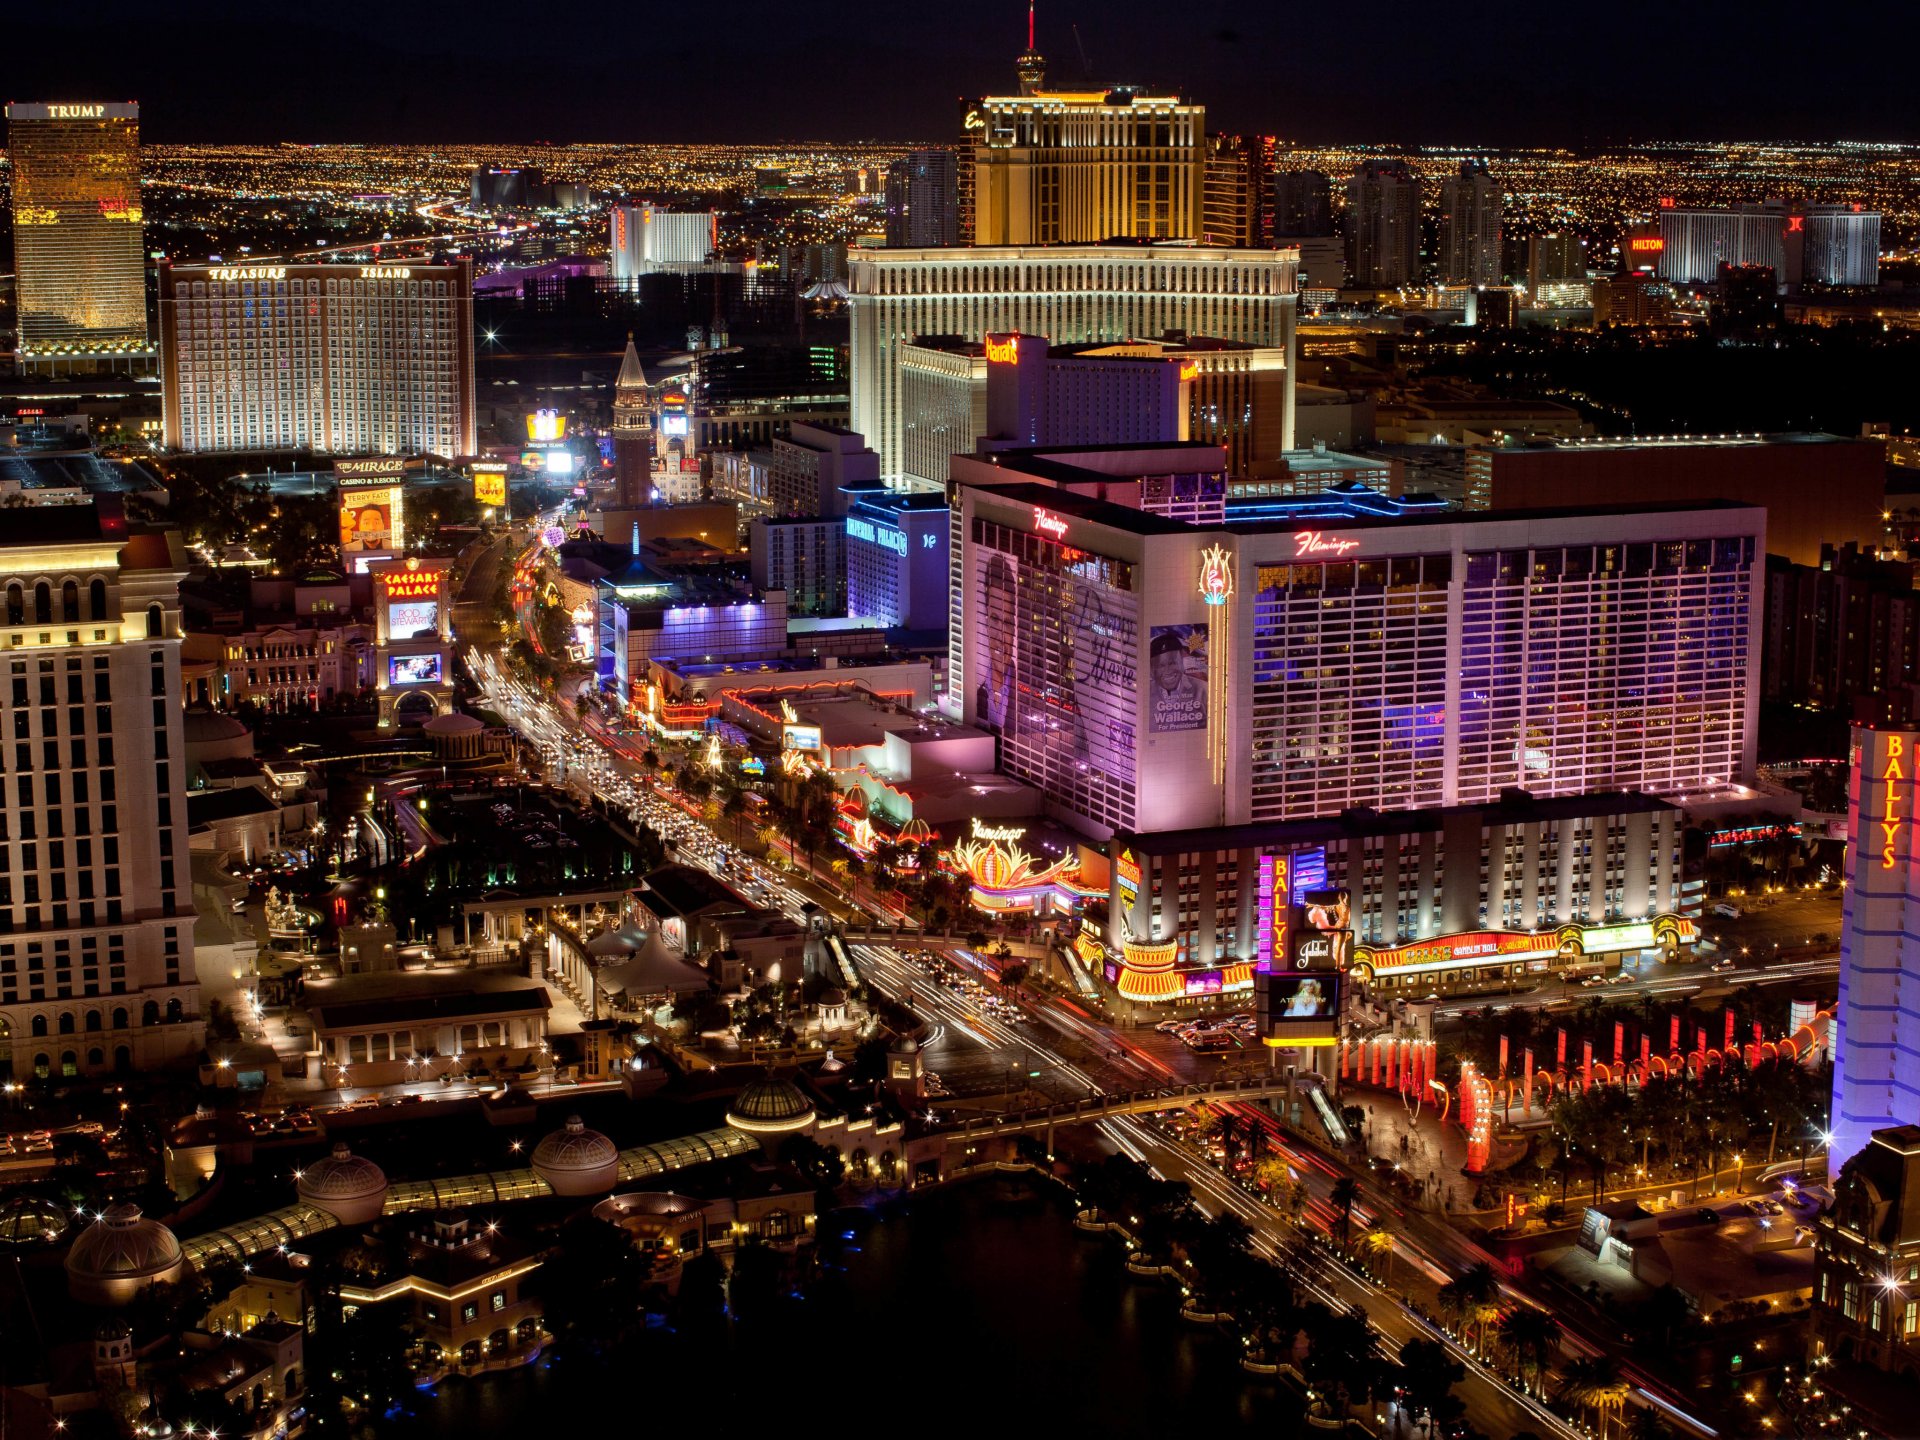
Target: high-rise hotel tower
{"points": [[1876, 1053], [96, 915], [1069, 167], [348, 359], [1071, 294], [82, 280]]}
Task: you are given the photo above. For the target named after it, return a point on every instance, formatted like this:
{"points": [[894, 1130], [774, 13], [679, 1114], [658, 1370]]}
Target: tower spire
{"points": [[1032, 66]]}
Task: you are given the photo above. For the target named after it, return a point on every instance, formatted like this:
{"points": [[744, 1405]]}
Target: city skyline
{"points": [[446, 84]]}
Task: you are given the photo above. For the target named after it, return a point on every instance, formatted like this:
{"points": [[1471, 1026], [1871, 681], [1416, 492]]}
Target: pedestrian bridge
{"points": [[1104, 1107]]}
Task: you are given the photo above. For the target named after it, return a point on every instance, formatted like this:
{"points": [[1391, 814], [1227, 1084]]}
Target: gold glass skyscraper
{"points": [[81, 276]]}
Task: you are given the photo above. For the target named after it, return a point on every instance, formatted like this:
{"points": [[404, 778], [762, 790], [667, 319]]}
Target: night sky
{"points": [[484, 70]]}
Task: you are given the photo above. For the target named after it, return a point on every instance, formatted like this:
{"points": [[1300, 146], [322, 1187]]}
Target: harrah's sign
{"points": [[1315, 542]]}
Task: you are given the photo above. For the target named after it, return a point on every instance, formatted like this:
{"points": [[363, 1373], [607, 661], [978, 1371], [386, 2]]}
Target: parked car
{"points": [[1726, 911]]}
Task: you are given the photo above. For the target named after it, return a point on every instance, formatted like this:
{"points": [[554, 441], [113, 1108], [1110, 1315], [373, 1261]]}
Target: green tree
{"points": [[1427, 1375], [1531, 1339], [1596, 1385], [1472, 1298]]}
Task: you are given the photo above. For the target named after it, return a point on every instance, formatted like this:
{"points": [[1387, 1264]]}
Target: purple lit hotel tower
{"points": [[1876, 1071], [1366, 702]]}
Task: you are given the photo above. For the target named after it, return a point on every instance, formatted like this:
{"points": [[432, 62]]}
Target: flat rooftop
{"points": [[1141, 522], [1512, 809]]}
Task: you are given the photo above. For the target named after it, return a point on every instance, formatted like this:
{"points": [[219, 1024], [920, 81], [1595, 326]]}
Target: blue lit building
{"points": [[897, 558]]}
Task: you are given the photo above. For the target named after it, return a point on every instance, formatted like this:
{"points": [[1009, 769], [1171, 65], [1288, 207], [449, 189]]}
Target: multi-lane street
{"points": [[987, 1048]]}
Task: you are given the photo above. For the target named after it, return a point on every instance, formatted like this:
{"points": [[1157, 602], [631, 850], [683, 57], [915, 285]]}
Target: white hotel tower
{"points": [[1876, 1069], [1072, 294], [96, 915]]}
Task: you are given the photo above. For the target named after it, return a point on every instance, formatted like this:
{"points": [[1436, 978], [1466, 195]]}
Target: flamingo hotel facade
{"points": [[1489, 730]]}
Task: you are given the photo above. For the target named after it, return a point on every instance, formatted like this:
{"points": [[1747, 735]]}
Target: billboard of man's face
{"points": [[994, 702], [1178, 661]]}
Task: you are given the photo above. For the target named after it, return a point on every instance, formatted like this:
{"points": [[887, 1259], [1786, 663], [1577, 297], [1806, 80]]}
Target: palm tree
{"points": [[1532, 1340], [1596, 1385], [1473, 1299], [1376, 1243], [1346, 1190]]}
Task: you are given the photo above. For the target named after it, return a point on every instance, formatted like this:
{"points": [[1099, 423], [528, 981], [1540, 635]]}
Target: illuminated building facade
{"points": [[1073, 167], [96, 915], [812, 468], [923, 199], [806, 556], [1022, 390], [81, 277], [1874, 1081], [1383, 225], [413, 638], [897, 559], [1866, 1257], [1636, 300], [1458, 898], [1073, 295], [1234, 197], [1835, 245], [1841, 246], [633, 431], [1398, 664], [372, 508], [1470, 212], [347, 359], [647, 240]]}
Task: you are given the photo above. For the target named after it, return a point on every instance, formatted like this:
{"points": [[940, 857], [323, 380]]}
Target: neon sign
{"points": [[1890, 815], [1753, 834], [385, 272], [248, 272], [1313, 542], [1190, 371], [412, 585], [76, 112], [1796, 224], [1647, 243], [882, 535], [1216, 575], [1005, 834], [1052, 524], [973, 121], [1003, 352]]}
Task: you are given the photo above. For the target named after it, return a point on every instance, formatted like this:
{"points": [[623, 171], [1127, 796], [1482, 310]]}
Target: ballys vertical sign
{"points": [[1892, 772]]}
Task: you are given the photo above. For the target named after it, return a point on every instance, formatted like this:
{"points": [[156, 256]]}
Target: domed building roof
{"points": [[769, 1106], [207, 727], [832, 998], [349, 1187], [452, 723], [574, 1160], [31, 1220], [119, 1255]]}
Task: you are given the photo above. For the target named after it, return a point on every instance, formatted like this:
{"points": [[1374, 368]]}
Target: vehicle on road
{"points": [[1726, 911]]}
